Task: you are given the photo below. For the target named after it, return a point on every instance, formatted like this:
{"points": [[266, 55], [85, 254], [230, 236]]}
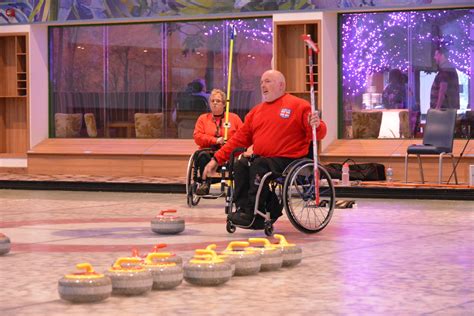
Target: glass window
{"points": [[119, 73], [397, 65]]}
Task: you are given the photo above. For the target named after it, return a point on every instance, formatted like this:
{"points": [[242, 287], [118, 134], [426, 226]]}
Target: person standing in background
{"points": [[445, 88]]}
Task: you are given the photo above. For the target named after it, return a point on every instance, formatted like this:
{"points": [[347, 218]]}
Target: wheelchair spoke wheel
{"points": [[192, 182], [299, 198]]}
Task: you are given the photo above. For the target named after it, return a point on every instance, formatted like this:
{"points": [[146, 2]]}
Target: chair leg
{"points": [[440, 168], [406, 168], [454, 169], [421, 169]]}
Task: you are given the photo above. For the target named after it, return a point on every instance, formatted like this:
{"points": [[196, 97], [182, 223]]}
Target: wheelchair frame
{"points": [[192, 178]]}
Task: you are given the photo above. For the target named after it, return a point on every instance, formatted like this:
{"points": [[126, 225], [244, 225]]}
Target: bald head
{"points": [[272, 85]]}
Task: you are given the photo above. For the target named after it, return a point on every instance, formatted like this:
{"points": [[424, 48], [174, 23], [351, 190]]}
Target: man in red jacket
{"points": [[280, 130]]}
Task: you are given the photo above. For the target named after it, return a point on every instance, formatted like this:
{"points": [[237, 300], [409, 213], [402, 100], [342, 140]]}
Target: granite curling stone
{"points": [[247, 261], [5, 244], [207, 270], [84, 287], [272, 257], [171, 257], [230, 260], [129, 278], [167, 224], [292, 254], [166, 275]]}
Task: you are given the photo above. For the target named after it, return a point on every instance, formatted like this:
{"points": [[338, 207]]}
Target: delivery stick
{"points": [[229, 79], [313, 48]]}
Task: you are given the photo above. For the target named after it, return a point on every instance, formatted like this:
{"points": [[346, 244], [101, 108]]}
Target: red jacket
{"points": [[276, 129], [208, 129]]}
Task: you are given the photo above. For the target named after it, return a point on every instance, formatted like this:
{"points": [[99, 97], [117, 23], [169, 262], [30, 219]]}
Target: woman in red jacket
{"points": [[209, 128]]}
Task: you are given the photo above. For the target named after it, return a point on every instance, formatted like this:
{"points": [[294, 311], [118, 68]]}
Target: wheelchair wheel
{"points": [[268, 229], [191, 182], [299, 198], [230, 228]]}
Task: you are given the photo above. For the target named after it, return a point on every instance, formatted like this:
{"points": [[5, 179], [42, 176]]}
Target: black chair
{"points": [[189, 107], [437, 140]]}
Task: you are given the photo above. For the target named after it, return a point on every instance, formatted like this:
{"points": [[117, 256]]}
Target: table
{"points": [[127, 127]]}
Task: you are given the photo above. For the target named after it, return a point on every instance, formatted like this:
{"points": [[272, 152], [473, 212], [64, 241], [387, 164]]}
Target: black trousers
{"points": [[201, 161], [247, 176]]}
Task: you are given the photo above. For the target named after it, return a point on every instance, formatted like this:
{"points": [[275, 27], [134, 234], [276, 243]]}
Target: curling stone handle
{"points": [[211, 247], [157, 255], [281, 239], [118, 263], [85, 266], [206, 251], [159, 246], [203, 256], [237, 244], [263, 241], [163, 212]]}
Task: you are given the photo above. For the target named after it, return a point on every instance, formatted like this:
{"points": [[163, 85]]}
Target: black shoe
{"points": [[242, 218], [203, 189]]}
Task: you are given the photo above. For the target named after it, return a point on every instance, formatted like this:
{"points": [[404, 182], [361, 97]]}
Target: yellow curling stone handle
{"points": [[89, 272], [236, 244], [282, 241], [265, 242], [120, 261], [158, 255]]}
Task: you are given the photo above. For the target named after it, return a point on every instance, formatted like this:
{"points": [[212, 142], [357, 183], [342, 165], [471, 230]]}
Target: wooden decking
{"points": [[169, 157], [118, 157]]}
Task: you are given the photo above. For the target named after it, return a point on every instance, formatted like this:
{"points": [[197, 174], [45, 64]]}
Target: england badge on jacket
{"points": [[285, 113]]}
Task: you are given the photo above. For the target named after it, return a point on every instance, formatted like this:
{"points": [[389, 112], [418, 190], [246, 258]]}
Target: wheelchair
{"points": [[193, 179], [295, 191]]}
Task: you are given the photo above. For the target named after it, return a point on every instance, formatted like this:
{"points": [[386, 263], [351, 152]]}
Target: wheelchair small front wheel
{"points": [[268, 229], [230, 228]]}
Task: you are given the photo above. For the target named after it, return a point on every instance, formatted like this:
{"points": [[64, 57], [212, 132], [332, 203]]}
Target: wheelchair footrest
{"points": [[212, 196]]}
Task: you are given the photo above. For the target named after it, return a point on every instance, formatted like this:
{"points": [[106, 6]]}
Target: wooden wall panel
{"points": [[85, 165], [16, 129], [7, 66], [3, 139]]}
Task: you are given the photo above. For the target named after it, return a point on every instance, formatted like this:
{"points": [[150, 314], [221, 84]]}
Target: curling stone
{"points": [[167, 224], [247, 261], [5, 244], [207, 270], [84, 287], [230, 260], [128, 278], [272, 258], [166, 275], [292, 254], [171, 258]]}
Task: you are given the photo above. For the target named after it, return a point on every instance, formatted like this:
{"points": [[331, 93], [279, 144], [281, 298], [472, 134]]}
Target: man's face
{"points": [[271, 87]]}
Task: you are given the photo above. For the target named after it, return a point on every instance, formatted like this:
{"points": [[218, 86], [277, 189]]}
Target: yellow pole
{"points": [[229, 79]]}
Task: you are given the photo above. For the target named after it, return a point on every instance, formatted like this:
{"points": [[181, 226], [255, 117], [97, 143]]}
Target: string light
{"points": [[378, 41]]}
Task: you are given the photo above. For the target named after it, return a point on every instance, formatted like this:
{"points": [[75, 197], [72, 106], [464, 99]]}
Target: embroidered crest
{"points": [[285, 113]]}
